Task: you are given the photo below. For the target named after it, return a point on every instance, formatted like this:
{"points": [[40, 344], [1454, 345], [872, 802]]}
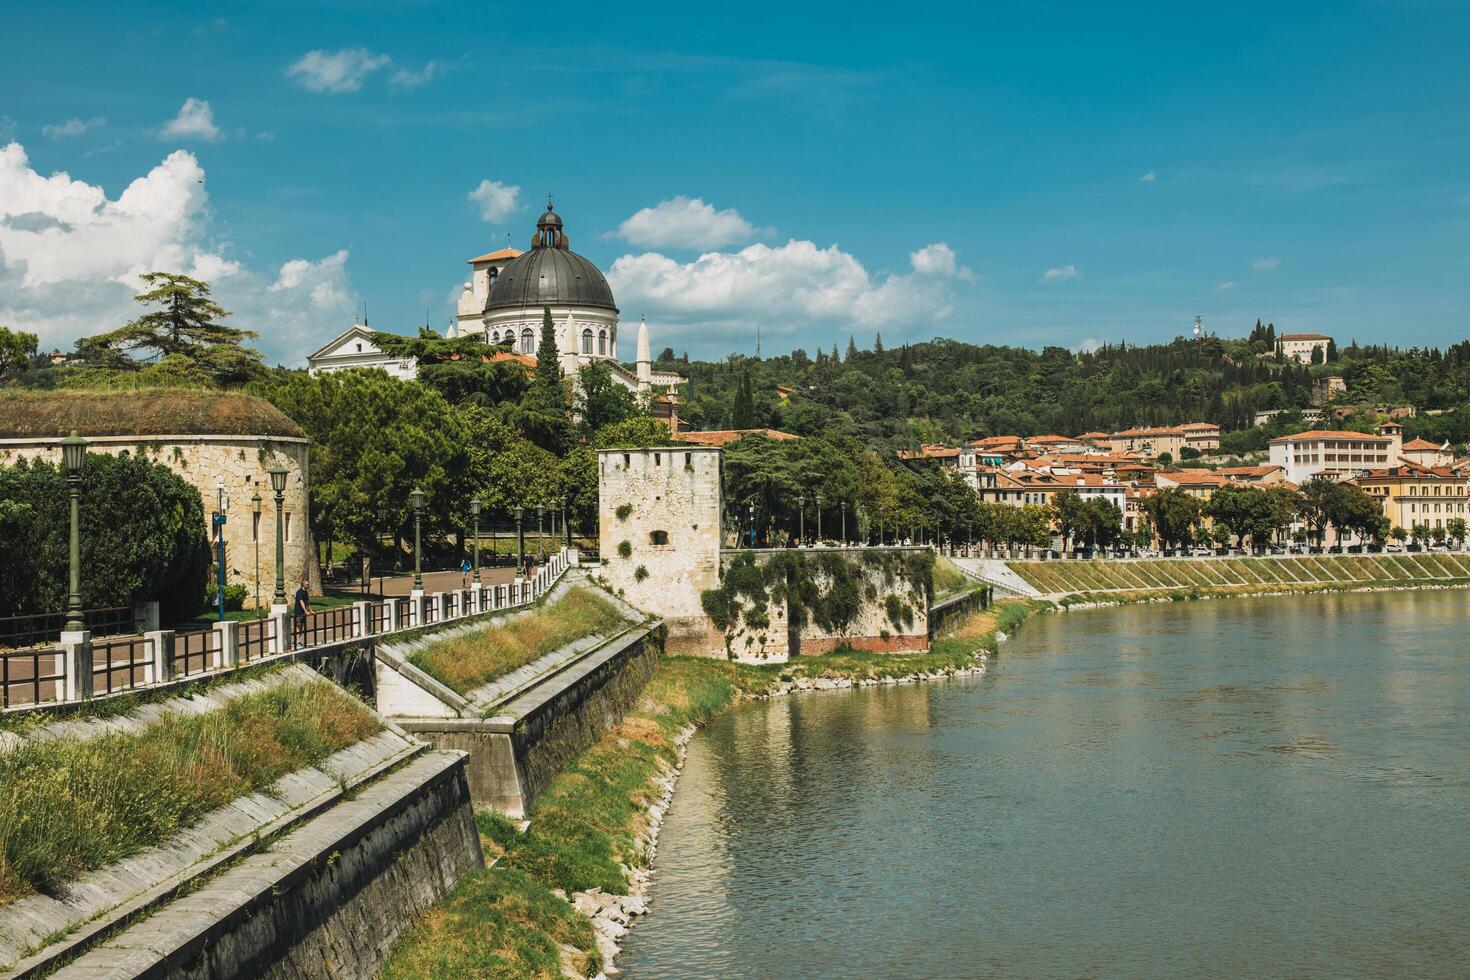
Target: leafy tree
{"points": [[1174, 514], [1315, 506], [16, 350], [1457, 528], [1071, 516], [142, 537], [462, 369], [185, 324], [601, 401]]}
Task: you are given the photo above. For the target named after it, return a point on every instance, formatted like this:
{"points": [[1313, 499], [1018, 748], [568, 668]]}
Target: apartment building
{"points": [[1333, 453], [1412, 494]]}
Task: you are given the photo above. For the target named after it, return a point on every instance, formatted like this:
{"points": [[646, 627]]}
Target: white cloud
{"points": [[1267, 264], [1087, 345], [408, 78], [496, 201], [938, 259], [70, 258], [336, 71], [685, 222], [790, 286], [72, 127], [194, 121], [1062, 273], [1148, 177], [1229, 286]]}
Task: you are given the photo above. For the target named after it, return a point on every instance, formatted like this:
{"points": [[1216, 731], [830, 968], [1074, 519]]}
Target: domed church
{"points": [[509, 291]]}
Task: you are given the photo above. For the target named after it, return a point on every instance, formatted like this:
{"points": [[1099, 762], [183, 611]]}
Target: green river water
{"points": [[1247, 787]]}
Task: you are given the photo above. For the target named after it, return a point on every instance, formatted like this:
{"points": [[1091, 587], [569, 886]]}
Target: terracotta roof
{"points": [[504, 253], [1089, 480], [930, 452], [996, 441], [1199, 427], [1050, 439], [1314, 435], [1249, 471], [1420, 445], [1193, 478], [1093, 436], [1413, 471], [1303, 336], [723, 437]]}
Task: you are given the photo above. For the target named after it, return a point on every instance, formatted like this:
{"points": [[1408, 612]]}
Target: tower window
{"points": [[627, 460], [689, 461], [658, 537], [587, 340], [601, 342], [658, 459], [528, 341]]}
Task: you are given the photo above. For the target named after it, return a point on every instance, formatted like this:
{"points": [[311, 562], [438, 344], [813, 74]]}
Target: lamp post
{"points": [[801, 521], [416, 498], [751, 507], [219, 544], [73, 455], [475, 513], [819, 518], [540, 530], [278, 484], [520, 540], [255, 532], [844, 522], [383, 558], [566, 521]]}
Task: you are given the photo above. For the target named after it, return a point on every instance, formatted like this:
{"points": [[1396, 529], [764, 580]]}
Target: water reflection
{"points": [[1270, 786]]}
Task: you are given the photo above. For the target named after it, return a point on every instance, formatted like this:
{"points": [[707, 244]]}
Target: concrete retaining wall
{"points": [[327, 900], [949, 611], [513, 756]]}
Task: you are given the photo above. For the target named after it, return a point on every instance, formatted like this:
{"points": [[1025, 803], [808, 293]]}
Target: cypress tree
{"points": [[877, 343], [851, 349]]}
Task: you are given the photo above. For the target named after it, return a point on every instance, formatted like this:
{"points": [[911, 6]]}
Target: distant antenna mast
{"points": [[364, 313], [757, 341], [1199, 326]]}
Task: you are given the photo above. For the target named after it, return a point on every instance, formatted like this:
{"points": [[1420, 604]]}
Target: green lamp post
{"points": [[73, 455], [416, 498], [255, 502], [278, 484], [475, 513]]}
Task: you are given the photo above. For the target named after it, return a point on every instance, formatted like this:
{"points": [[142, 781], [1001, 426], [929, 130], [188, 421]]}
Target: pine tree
{"points": [[877, 343], [543, 415], [1270, 335], [851, 349], [548, 363], [836, 359], [1332, 350], [744, 409]]}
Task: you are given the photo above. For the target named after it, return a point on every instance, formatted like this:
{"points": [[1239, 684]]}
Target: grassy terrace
{"points": [[1230, 576], [71, 806], [465, 662], [506, 921]]}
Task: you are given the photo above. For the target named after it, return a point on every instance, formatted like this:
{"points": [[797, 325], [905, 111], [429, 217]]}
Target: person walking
{"points": [[464, 574], [300, 607]]}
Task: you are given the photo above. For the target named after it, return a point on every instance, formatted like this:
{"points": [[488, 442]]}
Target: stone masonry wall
{"points": [[241, 464], [670, 528]]}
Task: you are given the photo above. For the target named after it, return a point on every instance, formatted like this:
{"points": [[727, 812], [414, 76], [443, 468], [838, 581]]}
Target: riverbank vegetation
{"points": [[1236, 576], [68, 806], [586, 829], [466, 661]]}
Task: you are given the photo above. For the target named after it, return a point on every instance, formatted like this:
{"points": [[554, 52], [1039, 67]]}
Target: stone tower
{"points": [[659, 515]]}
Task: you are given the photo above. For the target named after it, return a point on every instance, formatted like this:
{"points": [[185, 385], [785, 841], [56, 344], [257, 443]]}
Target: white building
{"points": [[354, 348], [1333, 453], [1301, 345]]}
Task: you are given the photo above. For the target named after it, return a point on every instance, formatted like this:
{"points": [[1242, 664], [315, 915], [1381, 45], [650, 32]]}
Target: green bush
{"points": [[625, 550], [234, 597], [640, 573], [623, 511], [142, 537]]}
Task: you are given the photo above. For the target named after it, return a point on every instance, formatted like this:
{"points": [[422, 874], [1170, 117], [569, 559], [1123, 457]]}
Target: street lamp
{"points": [[844, 522], [540, 530], [751, 507], [475, 513], [73, 455], [278, 484], [520, 540], [416, 498], [255, 532], [219, 543], [801, 520], [819, 518], [383, 557]]}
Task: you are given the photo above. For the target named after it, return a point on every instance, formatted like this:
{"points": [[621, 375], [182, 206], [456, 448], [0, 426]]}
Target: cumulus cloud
{"points": [[72, 127], [335, 72], [1087, 345], [408, 78], [793, 285], [939, 259], [1061, 274], [194, 121], [496, 201], [1228, 286], [1267, 264], [685, 222], [1148, 177], [70, 258]]}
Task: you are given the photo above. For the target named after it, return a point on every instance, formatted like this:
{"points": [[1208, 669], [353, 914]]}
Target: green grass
{"points": [[69, 806], [948, 578], [465, 662], [588, 822], [1239, 576]]}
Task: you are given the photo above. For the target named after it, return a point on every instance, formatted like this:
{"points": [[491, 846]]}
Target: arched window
{"points": [[496, 337], [602, 341], [586, 340], [658, 537], [528, 341]]}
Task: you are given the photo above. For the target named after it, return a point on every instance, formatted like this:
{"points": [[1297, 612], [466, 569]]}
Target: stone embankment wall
{"points": [[327, 900], [889, 605]]}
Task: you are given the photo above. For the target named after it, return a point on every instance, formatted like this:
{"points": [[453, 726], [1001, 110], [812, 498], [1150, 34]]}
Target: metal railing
{"points": [[94, 668], [37, 628]]}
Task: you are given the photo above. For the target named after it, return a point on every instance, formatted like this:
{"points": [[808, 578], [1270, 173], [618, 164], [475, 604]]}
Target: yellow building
{"points": [[1412, 494]]}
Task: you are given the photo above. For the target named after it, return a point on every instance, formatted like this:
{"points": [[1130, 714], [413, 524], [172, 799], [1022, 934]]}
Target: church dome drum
{"points": [[550, 274]]}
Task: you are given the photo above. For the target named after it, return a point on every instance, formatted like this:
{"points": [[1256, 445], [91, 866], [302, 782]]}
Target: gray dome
{"points": [[550, 274]]}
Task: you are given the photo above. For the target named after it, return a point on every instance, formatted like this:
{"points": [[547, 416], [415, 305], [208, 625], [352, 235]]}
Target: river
{"points": [[1273, 786]]}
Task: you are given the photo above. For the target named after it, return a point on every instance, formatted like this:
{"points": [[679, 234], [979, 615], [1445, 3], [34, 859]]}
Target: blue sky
{"points": [[1018, 173]]}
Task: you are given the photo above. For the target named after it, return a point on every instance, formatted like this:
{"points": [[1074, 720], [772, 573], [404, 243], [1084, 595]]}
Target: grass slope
{"points": [[70, 806], [1241, 576], [506, 922], [465, 662]]}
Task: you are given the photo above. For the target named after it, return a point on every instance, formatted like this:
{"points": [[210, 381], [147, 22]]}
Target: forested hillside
{"points": [[945, 390]]}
